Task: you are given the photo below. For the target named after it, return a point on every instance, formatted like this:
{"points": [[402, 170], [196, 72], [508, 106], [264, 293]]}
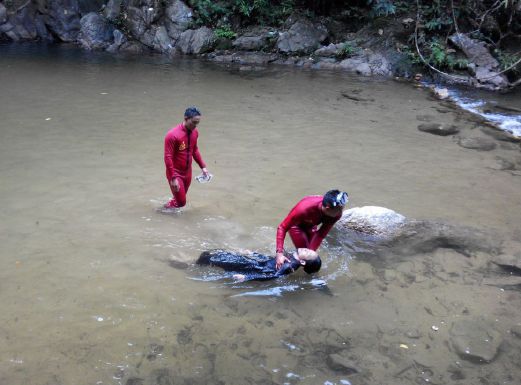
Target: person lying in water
{"points": [[259, 267]]}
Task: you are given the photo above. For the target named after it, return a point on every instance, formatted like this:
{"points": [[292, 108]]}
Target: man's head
{"points": [[192, 117], [309, 259], [334, 202]]}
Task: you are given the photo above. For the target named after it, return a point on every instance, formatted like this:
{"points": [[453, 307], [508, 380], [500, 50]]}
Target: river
{"points": [[87, 292]]}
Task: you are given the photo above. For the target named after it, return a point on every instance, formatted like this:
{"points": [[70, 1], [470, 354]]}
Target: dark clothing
{"points": [[257, 266]]}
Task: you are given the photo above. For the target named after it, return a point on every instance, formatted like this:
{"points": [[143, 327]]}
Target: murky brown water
{"points": [[86, 292]]}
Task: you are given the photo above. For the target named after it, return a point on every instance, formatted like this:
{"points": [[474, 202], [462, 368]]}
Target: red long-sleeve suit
{"points": [[302, 224], [180, 148]]}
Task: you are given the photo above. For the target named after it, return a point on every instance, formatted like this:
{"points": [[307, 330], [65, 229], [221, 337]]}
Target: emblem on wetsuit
{"points": [[182, 146]]}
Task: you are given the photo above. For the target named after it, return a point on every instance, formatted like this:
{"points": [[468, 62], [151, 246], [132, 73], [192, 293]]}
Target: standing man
{"points": [[180, 147], [303, 220]]}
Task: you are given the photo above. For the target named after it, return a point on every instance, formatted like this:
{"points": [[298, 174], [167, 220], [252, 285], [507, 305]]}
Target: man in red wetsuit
{"points": [[180, 147], [303, 220]]}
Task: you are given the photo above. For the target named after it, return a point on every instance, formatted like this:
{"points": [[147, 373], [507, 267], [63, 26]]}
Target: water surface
{"points": [[86, 290]]}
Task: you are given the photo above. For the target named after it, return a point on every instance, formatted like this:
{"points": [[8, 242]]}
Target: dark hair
{"points": [[191, 112], [334, 198], [313, 266]]}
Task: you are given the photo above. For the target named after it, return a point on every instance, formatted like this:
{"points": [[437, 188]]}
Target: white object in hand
{"points": [[204, 178]]}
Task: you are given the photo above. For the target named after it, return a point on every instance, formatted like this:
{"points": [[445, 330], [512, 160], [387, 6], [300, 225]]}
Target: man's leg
{"points": [[299, 237], [179, 197]]}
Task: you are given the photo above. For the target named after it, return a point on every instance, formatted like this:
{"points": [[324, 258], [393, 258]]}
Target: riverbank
{"points": [[344, 40]]}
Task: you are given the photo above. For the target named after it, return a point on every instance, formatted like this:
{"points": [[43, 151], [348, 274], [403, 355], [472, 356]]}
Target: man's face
{"points": [[192, 122], [332, 211]]}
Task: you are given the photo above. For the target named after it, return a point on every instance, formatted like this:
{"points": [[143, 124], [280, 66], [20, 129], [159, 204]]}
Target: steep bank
{"points": [[376, 40]]}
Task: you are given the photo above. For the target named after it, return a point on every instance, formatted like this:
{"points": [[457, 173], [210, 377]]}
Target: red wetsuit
{"points": [[180, 147], [302, 224]]}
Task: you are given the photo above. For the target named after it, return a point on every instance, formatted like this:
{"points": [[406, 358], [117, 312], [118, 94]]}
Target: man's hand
{"points": [[279, 260], [175, 184], [205, 171]]}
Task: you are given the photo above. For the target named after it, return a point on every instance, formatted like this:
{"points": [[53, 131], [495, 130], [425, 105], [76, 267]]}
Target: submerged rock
{"points": [[480, 144], [370, 229], [439, 129], [342, 364], [475, 340]]}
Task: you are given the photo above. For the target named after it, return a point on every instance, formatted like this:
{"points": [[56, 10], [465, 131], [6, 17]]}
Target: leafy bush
{"points": [[382, 7], [440, 57], [348, 49], [507, 60], [224, 32]]}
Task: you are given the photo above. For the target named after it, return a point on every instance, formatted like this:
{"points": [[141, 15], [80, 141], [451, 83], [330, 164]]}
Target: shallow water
{"points": [[86, 290]]}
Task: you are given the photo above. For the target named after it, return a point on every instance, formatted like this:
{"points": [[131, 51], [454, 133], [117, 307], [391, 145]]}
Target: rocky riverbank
{"points": [[140, 26]]}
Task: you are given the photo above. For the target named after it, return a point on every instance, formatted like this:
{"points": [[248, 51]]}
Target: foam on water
{"points": [[507, 122]]}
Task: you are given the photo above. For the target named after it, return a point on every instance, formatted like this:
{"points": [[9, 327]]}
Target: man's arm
{"points": [[169, 153], [294, 217], [319, 236]]}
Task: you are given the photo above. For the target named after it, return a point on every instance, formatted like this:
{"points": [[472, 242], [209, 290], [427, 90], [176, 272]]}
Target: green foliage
{"points": [[441, 58], [211, 13], [381, 7], [348, 49], [507, 60], [224, 32]]}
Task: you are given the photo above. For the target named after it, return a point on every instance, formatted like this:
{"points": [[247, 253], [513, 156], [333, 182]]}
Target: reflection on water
{"points": [[87, 291]]}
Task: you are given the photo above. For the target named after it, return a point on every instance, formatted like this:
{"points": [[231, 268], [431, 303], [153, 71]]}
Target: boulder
{"points": [[162, 41], [62, 18], [252, 42], [96, 32], [330, 50], [480, 144], [440, 129], [367, 63], [475, 340], [112, 10], [487, 68], [196, 41], [302, 37], [510, 263], [119, 40], [178, 18], [374, 230], [372, 220], [3, 14]]}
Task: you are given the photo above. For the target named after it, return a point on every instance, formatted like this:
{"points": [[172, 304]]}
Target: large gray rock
{"points": [[196, 41], [372, 220], [62, 18], [96, 32], [3, 14], [375, 230], [367, 63], [178, 18], [475, 340], [252, 41], [112, 10], [302, 37], [486, 66], [119, 40], [162, 41]]}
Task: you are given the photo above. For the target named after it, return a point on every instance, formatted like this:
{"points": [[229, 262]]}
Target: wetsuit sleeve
{"points": [[319, 236], [294, 217], [169, 153], [197, 156]]}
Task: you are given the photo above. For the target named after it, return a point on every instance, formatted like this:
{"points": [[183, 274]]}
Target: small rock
{"points": [[178, 264], [480, 144], [413, 333], [341, 364], [441, 93], [439, 129], [475, 340], [516, 330]]}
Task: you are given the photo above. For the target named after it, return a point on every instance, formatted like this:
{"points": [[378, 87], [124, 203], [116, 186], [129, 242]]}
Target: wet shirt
{"points": [[180, 147], [307, 214], [256, 266]]}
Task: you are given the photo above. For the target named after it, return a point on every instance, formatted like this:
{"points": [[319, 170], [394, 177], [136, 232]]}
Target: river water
{"points": [[87, 290]]}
